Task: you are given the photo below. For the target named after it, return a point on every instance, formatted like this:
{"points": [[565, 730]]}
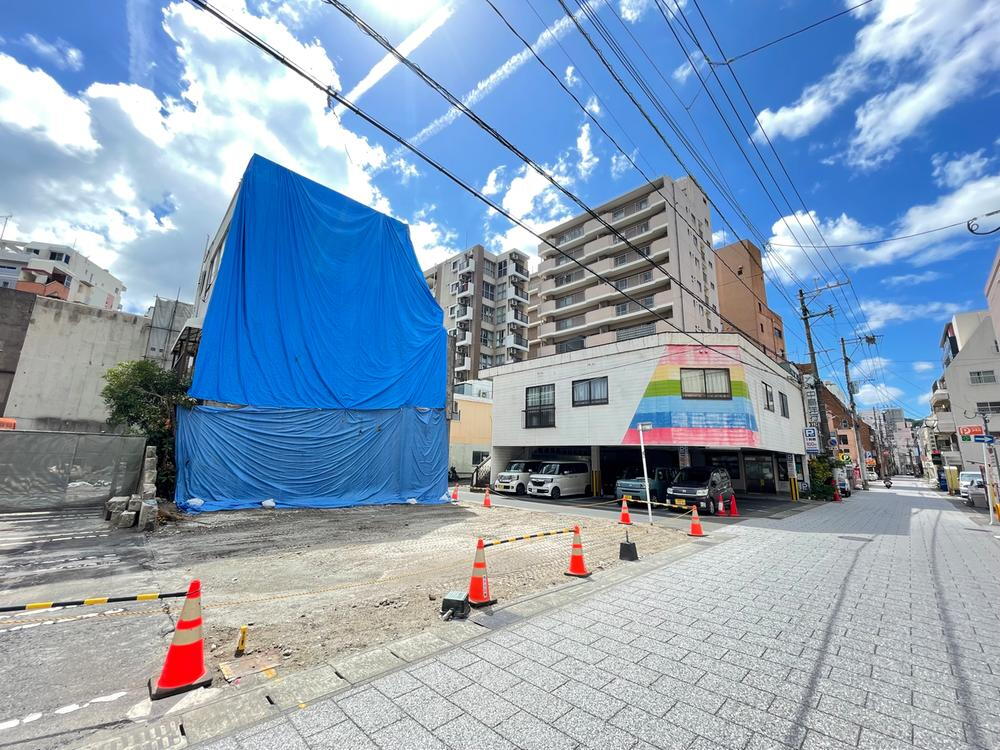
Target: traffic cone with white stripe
{"points": [[184, 667], [486, 499], [720, 508], [625, 518], [696, 529], [479, 583], [577, 565]]}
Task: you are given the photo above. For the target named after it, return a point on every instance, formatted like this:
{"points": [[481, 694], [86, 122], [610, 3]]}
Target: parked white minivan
{"points": [[515, 477], [558, 478]]}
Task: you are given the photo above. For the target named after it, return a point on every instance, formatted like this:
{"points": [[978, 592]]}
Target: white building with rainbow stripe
{"points": [[713, 400]]}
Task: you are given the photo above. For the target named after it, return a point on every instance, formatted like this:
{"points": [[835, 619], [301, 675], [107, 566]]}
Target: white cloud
{"points": [[494, 181], [620, 163], [924, 398], [881, 314], [683, 71], [570, 77], [588, 160], [60, 52], [593, 106], [431, 242], [923, 366], [405, 169], [953, 173], [869, 367], [632, 10], [909, 279], [913, 59], [92, 166], [719, 237], [792, 235], [871, 394]]}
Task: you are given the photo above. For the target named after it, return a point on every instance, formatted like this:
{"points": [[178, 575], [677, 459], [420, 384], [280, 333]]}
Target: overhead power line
{"points": [[335, 96], [789, 35], [879, 242]]}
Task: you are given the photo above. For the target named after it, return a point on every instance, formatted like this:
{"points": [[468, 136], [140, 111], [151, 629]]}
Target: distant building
{"points": [[59, 272], [483, 295], [54, 355], [471, 425], [743, 297], [992, 291]]}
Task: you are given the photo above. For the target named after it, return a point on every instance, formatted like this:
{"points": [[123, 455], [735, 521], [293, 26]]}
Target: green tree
{"points": [[820, 471], [142, 397]]}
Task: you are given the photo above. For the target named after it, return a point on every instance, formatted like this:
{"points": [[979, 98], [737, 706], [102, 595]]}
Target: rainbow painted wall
{"points": [[695, 422]]}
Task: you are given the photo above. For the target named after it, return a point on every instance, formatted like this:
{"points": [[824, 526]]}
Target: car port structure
{"points": [[719, 401]]}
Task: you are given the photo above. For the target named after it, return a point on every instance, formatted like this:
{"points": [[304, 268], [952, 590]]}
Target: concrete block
{"points": [[149, 477], [367, 664], [115, 504], [147, 515], [149, 464], [126, 519], [150, 451], [115, 517], [134, 504], [148, 491]]}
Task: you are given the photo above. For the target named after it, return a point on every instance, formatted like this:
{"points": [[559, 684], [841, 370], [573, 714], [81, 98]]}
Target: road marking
{"points": [[72, 707], [53, 539]]}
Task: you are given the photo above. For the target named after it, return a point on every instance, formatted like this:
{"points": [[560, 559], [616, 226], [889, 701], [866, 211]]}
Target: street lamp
{"points": [[642, 427]]}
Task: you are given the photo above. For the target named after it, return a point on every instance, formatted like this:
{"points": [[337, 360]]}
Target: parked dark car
{"points": [[702, 486]]}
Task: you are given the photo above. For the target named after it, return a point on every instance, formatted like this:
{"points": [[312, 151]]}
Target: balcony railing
{"points": [[517, 340], [517, 293], [465, 289], [519, 316]]}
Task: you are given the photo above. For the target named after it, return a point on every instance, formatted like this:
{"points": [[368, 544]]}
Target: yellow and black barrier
{"points": [[495, 542], [675, 506], [94, 600]]}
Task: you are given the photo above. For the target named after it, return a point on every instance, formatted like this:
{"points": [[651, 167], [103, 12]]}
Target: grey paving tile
{"points": [[465, 732], [370, 710], [489, 675], [339, 736], [493, 653], [439, 677], [483, 705], [540, 652], [740, 691], [836, 727], [775, 728], [590, 731], [921, 717], [538, 675], [928, 740], [536, 701], [652, 729], [395, 684], [427, 707], [597, 702], [689, 694], [317, 717], [871, 740], [406, 735], [582, 672], [278, 733], [530, 733], [646, 698], [725, 733]]}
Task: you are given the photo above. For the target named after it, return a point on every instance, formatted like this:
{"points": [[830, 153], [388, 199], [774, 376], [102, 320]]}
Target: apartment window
{"points": [[501, 269], [451, 311], [629, 281], [454, 287], [489, 291], [572, 254], [777, 333], [487, 314], [629, 307], [635, 332], [540, 406], [570, 345], [486, 337], [768, 397], [569, 278], [570, 235], [842, 438], [630, 208], [705, 383], [489, 268], [501, 315], [632, 231], [627, 257], [479, 456], [982, 377], [569, 299], [591, 392], [576, 320], [988, 407], [783, 404], [485, 361]]}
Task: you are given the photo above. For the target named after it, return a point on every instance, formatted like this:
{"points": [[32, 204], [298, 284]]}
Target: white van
{"points": [[966, 479], [515, 477], [558, 478]]}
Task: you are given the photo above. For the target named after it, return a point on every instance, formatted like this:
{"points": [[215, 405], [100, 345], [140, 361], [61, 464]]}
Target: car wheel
{"points": [[555, 493], [519, 490], [710, 508], [586, 490]]}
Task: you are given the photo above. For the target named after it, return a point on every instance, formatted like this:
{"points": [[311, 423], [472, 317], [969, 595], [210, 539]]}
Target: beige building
{"points": [[484, 296], [743, 297], [666, 221], [471, 426], [58, 272]]}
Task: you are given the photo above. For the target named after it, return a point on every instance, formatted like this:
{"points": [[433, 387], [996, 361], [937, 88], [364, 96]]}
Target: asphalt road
{"points": [[70, 671]]}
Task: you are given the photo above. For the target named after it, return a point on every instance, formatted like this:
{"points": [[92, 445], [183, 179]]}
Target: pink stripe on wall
{"points": [[713, 436]]}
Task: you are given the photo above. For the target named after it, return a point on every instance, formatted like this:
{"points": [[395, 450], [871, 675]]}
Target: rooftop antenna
{"points": [[6, 218]]}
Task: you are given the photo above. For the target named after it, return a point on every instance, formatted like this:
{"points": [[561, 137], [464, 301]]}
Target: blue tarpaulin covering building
{"points": [[322, 328]]}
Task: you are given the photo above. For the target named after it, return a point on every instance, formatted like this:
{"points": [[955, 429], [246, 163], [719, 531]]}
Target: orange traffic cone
{"points": [[577, 565], [454, 494], [720, 507], [625, 518], [836, 494], [184, 667], [733, 510], [479, 584], [486, 499], [696, 529]]}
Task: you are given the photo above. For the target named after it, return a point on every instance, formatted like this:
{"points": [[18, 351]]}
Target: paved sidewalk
{"points": [[872, 624]]}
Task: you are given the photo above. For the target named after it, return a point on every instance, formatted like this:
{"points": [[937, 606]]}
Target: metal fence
{"points": [[56, 470]]}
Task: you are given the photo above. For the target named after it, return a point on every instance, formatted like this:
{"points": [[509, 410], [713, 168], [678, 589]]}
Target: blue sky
{"points": [[126, 127]]}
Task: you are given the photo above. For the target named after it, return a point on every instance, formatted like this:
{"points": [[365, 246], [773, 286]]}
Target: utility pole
{"points": [[854, 415], [824, 428], [991, 497]]}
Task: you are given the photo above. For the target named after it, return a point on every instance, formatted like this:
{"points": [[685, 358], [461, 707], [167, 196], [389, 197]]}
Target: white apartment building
{"points": [[484, 296], [723, 403], [967, 385], [59, 272], [667, 222]]}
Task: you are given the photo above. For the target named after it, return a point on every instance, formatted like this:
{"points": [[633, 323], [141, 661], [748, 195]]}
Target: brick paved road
{"points": [[870, 624]]}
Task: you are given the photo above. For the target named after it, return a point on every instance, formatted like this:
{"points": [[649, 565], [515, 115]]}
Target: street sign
{"points": [[970, 429], [811, 437], [868, 454], [988, 439], [832, 442], [644, 426]]}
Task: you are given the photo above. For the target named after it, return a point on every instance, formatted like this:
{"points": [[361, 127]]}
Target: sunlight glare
{"points": [[405, 10]]}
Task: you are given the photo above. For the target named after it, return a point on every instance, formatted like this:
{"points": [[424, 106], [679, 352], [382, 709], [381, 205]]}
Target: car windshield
{"points": [[969, 476], [549, 469], [693, 475], [521, 466]]}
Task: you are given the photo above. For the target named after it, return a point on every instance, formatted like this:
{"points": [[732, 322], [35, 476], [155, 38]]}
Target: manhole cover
{"points": [[855, 538]]}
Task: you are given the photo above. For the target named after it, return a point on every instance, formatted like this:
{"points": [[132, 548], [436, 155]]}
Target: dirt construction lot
{"points": [[315, 584]]}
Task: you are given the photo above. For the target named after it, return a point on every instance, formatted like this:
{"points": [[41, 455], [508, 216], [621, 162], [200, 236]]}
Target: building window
{"points": [[633, 231], [572, 234], [568, 256], [570, 299], [635, 332], [570, 345], [451, 311], [705, 383], [479, 456], [777, 333], [988, 407], [783, 403], [576, 320], [630, 208], [485, 361], [569, 278], [842, 438], [487, 314], [501, 269], [489, 268], [489, 291], [540, 406], [982, 377], [768, 397], [486, 337], [590, 392]]}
